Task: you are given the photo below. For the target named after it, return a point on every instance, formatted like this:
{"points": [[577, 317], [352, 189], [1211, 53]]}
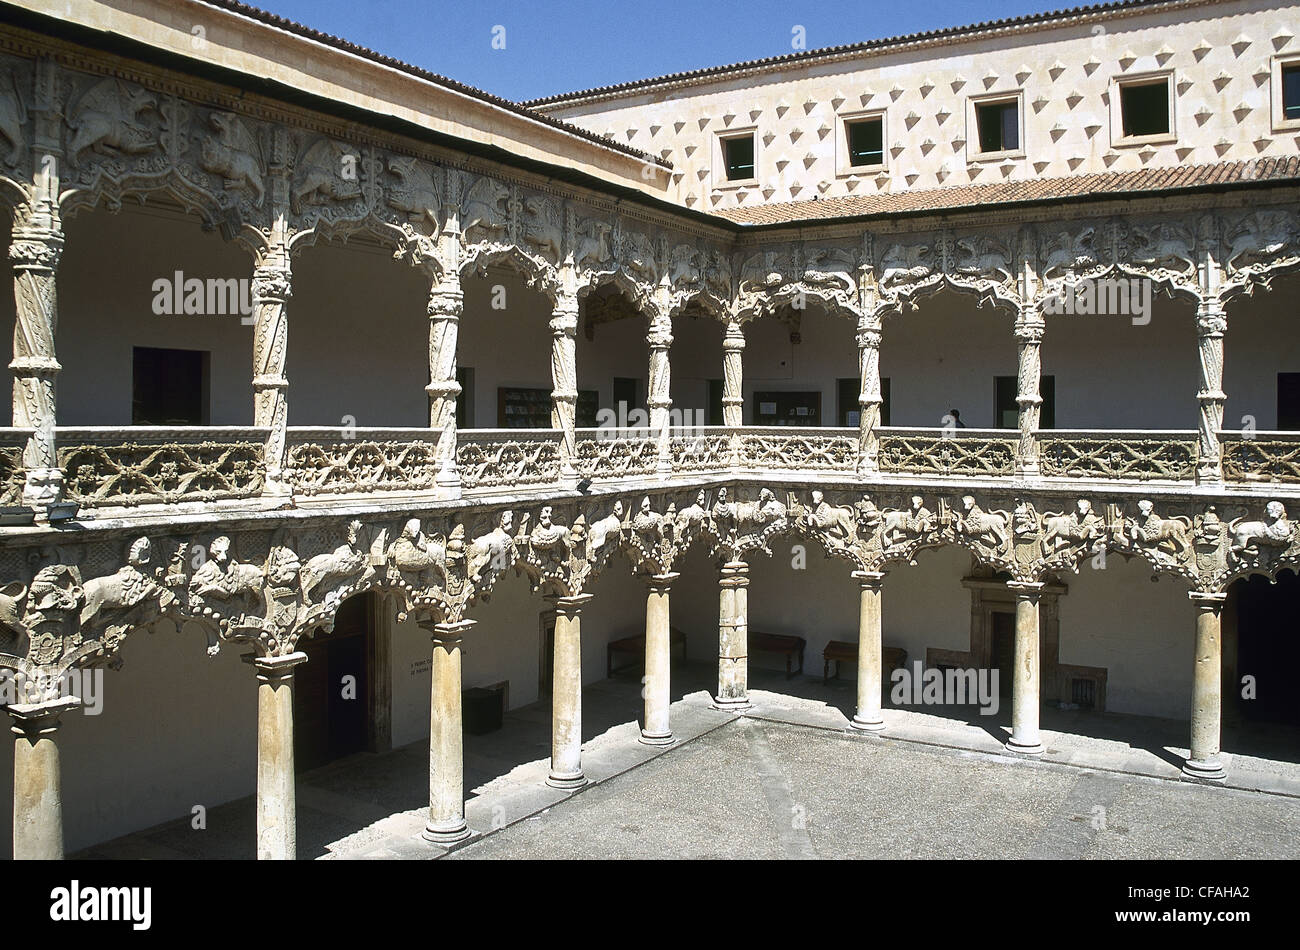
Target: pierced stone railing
{"points": [[708, 449], [777, 448], [990, 452], [12, 443], [616, 453], [114, 466], [1136, 455], [337, 461], [488, 458], [1261, 456]]}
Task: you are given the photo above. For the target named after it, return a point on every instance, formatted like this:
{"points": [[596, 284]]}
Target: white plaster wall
{"points": [[1143, 634], [1261, 342]]}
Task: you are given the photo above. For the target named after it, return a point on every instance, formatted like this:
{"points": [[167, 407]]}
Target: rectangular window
{"points": [[169, 387], [999, 126], [738, 157], [715, 402], [1288, 402], [788, 408], [1144, 108], [1007, 411], [866, 138], [1291, 91]]}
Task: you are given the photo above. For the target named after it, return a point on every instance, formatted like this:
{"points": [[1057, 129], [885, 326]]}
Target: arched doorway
{"points": [[1268, 649]]}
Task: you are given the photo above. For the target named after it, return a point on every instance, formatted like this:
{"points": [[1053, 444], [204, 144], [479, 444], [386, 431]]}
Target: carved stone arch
{"points": [[703, 302], [909, 297], [407, 245], [786, 296], [537, 274], [1257, 246], [640, 295], [15, 196]]}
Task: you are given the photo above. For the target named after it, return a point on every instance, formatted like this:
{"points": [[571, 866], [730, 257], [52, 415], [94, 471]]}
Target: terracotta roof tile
{"points": [[959, 197]]}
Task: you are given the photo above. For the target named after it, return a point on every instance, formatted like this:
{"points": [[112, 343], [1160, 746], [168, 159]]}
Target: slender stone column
{"points": [[566, 694], [34, 252], [564, 383], [446, 738], [869, 397], [277, 810], [1211, 324], [1029, 339], [445, 305], [38, 789], [868, 717], [658, 654], [272, 288], [733, 375], [1207, 689], [1025, 677], [660, 339], [733, 637]]}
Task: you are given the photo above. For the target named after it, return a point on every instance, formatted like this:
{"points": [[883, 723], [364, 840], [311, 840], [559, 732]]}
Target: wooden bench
{"points": [[891, 658], [789, 646], [636, 645]]}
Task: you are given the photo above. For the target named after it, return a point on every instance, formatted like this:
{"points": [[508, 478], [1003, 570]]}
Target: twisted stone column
{"points": [[869, 397], [660, 339], [38, 789], [564, 383], [868, 717], [34, 252], [446, 303], [446, 822], [733, 375], [1029, 339], [277, 810], [733, 637], [1025, 677], [1211, 324], [272, 288], [566, 694], [658, 655], [1207, 689]]}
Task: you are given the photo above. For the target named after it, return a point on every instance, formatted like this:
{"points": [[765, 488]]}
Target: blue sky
{"points": [[561, 45]]}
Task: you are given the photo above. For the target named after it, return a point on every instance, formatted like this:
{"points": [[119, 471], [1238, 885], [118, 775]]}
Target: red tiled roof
{"points": [[959, 197]]}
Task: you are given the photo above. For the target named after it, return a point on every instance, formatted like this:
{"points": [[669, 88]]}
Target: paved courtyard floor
{"points": [[790, 779]]}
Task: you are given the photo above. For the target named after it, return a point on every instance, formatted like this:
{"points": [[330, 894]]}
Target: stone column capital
{"points": [[1026, 590], [1207, 600], [274, 669], [38, 719], [446, 301], [870, 580], [448, 635], [569, 604], [661, 583]]}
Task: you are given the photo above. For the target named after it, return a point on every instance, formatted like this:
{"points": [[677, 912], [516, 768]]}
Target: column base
{"points": [[449, 835], [566, 782], [1204, 771], [652, 739], [1022, 749], [868, 725], [731, 705]]}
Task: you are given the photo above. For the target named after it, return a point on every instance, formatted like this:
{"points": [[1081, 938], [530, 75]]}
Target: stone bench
{"points": [[788, 646], [636, 644], [891, 658]]}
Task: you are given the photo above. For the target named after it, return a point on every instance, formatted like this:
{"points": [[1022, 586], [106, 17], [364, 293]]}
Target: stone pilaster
{"points": [[658, 655], [1207, 690], [660, 340], [869, 396], [34, 253], [446, 822], [1211, 324], [733, 637], [272, 288], [564, 384], [38, 788], [566, 694], [1025, 677], [277, 809], [1029, 340], [868, 717], [446, 303]]}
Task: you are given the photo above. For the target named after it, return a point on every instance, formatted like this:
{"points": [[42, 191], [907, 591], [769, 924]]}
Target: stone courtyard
{"points": [[791, 779]]}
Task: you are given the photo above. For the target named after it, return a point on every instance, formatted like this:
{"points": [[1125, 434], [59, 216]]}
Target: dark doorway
{"points": [[1267, 648], [169, 387], [1006, 411], [624, 392], [1288, 402], [1003, 658], [331, 701]]}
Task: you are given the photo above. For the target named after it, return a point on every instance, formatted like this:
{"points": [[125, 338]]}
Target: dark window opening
{"points": [[738, 156], [1144, 109], [1288, 402], [1291, 91], [1006, 411], [999, 126], [787, 408], [866, 142], [465, 401], [715, 402], [1083, 693], [849, 409], [169, 387]]}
